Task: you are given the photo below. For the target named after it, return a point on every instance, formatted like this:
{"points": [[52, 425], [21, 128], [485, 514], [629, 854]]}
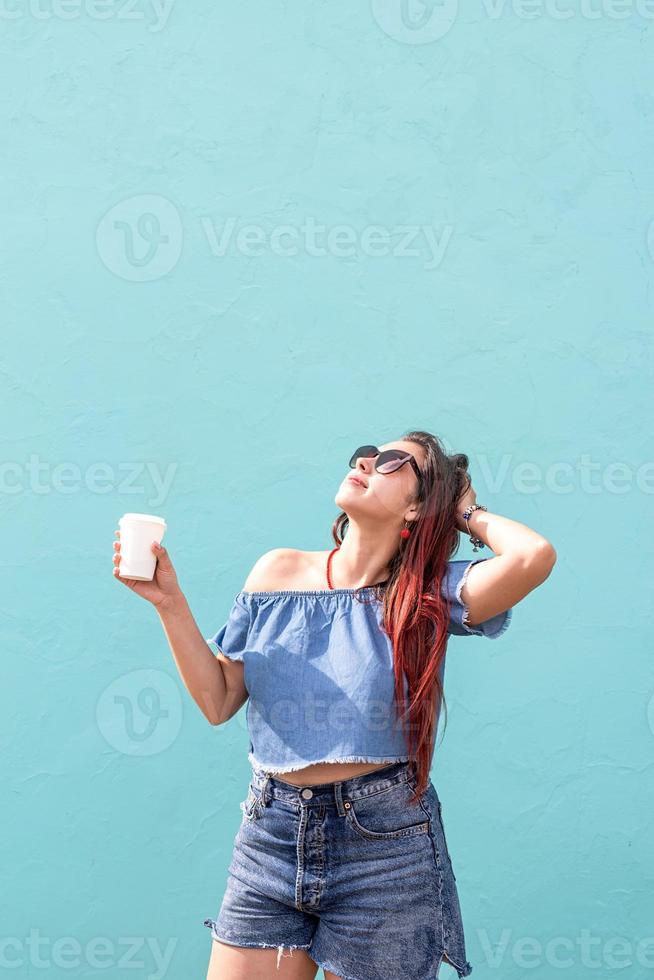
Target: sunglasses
{"points": [[387, 462]]}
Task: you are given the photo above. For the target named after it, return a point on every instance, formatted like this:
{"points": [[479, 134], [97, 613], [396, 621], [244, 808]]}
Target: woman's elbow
{"points": [[542, 559]]}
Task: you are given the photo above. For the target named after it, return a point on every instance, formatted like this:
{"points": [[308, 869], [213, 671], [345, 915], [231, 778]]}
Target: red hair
{"points": [[415, 613]]}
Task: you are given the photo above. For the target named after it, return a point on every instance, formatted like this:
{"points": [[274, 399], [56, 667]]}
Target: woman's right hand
{"points": [[164, 588]]}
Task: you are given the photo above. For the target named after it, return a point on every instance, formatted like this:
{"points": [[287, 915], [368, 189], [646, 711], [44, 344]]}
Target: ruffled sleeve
{"points": [[231, 638], [451, 586]]}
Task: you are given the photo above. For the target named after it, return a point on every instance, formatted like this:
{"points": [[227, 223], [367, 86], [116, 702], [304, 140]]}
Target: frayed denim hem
{"points": [[266, 767], [280, 947], [480, 629], [462, 971]]}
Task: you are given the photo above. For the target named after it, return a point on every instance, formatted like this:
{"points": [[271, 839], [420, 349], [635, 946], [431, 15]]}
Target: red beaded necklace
{"points": [[329, 562]]}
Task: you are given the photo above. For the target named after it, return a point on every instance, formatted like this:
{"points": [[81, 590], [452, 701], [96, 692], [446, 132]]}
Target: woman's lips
{"points": [[356, 482]]}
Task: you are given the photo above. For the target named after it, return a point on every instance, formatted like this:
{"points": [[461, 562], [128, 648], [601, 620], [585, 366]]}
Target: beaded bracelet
{"points": [[468, 513]]}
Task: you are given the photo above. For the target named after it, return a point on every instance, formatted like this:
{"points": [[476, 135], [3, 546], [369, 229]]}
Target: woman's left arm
{"points": [[523, 560]]}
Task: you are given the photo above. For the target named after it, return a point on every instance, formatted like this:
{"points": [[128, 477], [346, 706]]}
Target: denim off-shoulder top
{"points": [[319, 672]]}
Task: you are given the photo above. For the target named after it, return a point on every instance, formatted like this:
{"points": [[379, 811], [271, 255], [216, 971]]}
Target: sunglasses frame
{"points": [[377, 456]]}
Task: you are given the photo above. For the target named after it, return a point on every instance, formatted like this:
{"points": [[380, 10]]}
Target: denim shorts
{"points": [[351, 871]]}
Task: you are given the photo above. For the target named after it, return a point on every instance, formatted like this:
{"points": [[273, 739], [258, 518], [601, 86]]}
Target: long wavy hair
{"points": [[415, 613]]}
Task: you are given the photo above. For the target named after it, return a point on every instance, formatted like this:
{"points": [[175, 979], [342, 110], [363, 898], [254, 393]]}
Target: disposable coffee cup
{"points": [[137, 532]]}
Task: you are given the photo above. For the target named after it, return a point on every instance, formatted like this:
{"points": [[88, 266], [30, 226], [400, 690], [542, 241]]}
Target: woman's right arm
{"points": [[214, 682]]}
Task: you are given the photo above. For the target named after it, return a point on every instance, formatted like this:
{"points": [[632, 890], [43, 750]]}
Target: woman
{"points": [[341, 860]]}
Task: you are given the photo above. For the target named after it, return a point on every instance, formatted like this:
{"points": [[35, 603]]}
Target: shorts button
{"points": [[307, 794]]}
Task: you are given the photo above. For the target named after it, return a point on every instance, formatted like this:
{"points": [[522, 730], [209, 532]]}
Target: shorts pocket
{"points": [[251, 805], [386, 815]]}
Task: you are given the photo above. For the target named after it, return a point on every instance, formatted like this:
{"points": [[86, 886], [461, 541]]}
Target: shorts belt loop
{"points": [[339, 799], [264, 789]]}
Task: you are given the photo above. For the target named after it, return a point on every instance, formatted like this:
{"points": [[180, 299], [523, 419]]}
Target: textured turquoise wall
{"points": [[237, 242]]}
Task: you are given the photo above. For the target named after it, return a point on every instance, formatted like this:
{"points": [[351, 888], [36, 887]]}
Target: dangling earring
{"points": [[405, 532]]}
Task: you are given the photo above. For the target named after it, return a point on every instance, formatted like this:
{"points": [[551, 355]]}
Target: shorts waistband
{"points": [[367, 784]]}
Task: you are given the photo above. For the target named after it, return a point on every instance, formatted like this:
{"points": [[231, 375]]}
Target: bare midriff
{"points": [[328, 772]]}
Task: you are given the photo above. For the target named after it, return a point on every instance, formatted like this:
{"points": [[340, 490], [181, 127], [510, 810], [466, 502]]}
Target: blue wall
{"points": [[449, 227]]}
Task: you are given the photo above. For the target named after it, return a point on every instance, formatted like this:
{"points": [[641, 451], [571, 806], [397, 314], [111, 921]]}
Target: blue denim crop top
{"points": [[318, 669]]}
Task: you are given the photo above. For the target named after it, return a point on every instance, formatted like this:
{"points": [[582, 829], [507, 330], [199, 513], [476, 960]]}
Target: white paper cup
{"points": [[137, 532]]}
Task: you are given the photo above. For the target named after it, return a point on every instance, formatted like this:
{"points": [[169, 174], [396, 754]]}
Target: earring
{"points": [[405, 532]]}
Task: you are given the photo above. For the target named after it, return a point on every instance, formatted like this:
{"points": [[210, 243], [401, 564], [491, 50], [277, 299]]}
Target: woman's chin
{"points": [[345, 496]]}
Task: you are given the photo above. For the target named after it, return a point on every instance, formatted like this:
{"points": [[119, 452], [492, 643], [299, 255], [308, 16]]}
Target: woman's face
{"points": [[383, 496]]}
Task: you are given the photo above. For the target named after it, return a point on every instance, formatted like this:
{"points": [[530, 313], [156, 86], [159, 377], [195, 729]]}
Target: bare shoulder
{"points": [[284, 568]]}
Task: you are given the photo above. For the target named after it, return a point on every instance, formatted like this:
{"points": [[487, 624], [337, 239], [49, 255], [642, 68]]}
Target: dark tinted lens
{"points": [[366, 451], [390, 460]]}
